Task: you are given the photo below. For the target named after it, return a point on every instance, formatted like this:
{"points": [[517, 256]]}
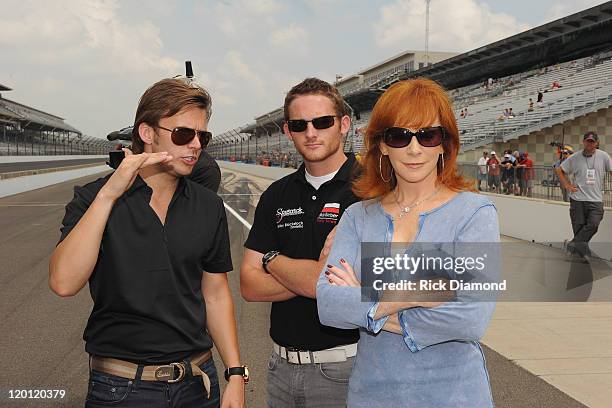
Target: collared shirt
{"points": [[146, 285], [294, 218], [437, 362]]}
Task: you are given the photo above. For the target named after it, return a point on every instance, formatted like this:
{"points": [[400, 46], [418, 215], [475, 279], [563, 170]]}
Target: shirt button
{"points": [[314, 198]]}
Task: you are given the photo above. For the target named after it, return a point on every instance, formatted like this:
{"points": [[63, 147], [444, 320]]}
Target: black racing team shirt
{"points": [[295, 219], [146, 285]]}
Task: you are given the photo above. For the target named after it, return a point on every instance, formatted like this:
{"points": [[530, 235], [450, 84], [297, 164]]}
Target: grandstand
{"points": [[574, 52], [26, 131]]}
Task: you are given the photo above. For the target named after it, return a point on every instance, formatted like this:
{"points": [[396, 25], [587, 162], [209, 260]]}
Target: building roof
{"points": [[31, 118]]}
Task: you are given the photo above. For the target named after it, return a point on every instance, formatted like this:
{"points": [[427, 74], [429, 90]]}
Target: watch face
{"points": [[246, 375]]}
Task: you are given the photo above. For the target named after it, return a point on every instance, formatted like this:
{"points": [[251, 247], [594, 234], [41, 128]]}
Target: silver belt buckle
{"points": [[297, 353], [166, 372]]}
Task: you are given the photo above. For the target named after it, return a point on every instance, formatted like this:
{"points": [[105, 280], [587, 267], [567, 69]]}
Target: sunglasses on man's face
{"points": [[181, 135], [400, 137], [300, 125]]}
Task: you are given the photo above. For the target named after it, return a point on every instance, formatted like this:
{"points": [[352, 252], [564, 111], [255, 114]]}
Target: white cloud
{"points": [[236, 68], [89, 34], [564, 9], [293, 36], [454, 25], [238, 18]]}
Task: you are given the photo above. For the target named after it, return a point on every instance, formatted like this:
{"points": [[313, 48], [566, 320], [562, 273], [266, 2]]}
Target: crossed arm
{"points": [[282, 283]]}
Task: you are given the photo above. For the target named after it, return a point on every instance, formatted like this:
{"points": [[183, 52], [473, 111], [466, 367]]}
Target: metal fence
{"points": [[537, 182], [34, 143]]}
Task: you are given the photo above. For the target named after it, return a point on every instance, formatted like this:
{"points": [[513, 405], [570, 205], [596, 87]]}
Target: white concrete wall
{"points": [[22, 184], [538, 220]]}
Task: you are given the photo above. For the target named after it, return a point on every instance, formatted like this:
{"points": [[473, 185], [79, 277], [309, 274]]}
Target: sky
{"points": [[89, 61]]}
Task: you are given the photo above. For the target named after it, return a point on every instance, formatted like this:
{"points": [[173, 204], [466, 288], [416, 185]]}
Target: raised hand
{"points": [[123, 178]]}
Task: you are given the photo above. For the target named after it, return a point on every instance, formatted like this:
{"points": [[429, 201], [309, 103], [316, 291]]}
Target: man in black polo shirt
{"points": [[154, 248], [287, 249]]}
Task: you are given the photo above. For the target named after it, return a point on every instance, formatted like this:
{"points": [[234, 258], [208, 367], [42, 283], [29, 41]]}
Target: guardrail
{"points": [[536, 182]]}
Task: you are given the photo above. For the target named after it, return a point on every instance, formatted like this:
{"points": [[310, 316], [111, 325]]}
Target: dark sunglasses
{"points": [[400, 137], [181, 135], [300, 125]]}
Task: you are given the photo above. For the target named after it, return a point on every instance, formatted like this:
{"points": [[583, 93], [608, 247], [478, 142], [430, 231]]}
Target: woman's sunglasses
{"points": [[400, 137], [300, 125], [181, 135]]}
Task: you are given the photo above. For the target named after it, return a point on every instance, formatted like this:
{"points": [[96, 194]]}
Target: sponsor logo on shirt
{"points": [[280, 213], [330, 213]]}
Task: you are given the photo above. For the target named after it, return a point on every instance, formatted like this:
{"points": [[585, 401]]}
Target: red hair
{"points": [[413, 103]]}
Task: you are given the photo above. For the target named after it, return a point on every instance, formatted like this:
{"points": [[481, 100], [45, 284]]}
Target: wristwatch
{"points": [[243, 371], [267, 258]]}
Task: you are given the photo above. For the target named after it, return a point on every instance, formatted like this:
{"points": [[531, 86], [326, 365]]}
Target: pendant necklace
{"points": [[406, 210]]}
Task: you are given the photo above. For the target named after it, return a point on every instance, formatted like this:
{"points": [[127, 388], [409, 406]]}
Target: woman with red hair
{"points": [[411, 353]]}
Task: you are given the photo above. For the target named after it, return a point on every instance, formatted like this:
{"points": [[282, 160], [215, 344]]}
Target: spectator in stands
{"points": [[482, 170], [587, 169], [410, 354], [510, 113], [507, 174], [540, 100], [155, 249], [525, 175], [530, 106], [494, 170], [515, 157], [555, 85], [287, 249]]}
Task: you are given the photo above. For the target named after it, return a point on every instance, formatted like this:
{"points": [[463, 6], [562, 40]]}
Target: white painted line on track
{"points": [[238, 216]]}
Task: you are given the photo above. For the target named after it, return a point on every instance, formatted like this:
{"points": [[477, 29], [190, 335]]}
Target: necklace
{"points": [[406, 210]]}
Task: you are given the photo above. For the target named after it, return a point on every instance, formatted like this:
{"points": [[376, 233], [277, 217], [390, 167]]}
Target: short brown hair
{"points": [[164, 99], [315, 86], [412, 103]]}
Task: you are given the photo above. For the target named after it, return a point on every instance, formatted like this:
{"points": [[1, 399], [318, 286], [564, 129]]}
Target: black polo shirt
{"points": [[295, 219], [146, 285]]}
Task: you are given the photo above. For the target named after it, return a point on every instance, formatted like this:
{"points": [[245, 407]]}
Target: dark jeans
{"points": [[107, 390], [585, 217]]}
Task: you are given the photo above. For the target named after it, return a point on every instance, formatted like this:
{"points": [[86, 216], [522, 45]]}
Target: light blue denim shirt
{"points": [[438, 361]]}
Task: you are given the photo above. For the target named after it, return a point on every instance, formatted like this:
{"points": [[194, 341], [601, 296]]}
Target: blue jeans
{"points": [[307, 385], [107, 390]]}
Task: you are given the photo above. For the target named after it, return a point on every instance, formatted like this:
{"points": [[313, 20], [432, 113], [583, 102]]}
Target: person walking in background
{"points": [[586, 170], [482, 171]]}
